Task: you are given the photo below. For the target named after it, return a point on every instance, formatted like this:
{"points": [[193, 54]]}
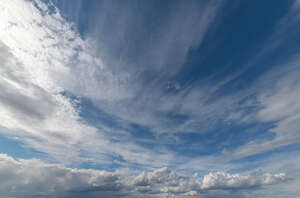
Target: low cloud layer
{"points": [[34, 178]]}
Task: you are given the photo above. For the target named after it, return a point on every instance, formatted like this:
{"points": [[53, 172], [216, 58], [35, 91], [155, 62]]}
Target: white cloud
{"points": [[49, 122], [279, 93], [36, 53], [31, 178], [221, 180], [44, 56], [125, 88], [46, 121]]}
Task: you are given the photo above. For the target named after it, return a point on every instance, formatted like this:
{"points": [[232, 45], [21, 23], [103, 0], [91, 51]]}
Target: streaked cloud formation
{"points": [[106, 94]]}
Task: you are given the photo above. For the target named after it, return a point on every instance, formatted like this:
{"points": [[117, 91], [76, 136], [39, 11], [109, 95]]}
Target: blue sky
{"points": [[149, 98]]}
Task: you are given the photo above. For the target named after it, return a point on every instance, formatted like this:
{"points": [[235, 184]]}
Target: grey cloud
{"points": [[30, 178], [49, 122], [24, 99], [34, 178]]}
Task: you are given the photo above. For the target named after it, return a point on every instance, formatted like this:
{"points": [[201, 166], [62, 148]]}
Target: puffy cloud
{"points": [[221, 180], [34, 178]]}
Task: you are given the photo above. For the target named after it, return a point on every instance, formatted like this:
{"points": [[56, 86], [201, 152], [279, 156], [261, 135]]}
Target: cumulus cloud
{"points": [[34, 178], [221, 180]]}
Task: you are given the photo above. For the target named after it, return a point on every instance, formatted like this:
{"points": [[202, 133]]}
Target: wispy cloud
{"points": [[34, 77], [133, 83], [57, 60], [48, 70], [278, 96]]}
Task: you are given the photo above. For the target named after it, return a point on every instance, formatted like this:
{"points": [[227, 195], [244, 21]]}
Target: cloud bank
{"points": [[34, 178]]}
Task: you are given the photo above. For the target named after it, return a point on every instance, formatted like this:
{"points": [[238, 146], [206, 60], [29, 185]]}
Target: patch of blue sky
{"points": [[229, 47], [223, 137], [94, 116], [14, 147]]}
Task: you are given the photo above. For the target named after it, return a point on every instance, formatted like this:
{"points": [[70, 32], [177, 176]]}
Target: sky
{"points": [[153, 99]]}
